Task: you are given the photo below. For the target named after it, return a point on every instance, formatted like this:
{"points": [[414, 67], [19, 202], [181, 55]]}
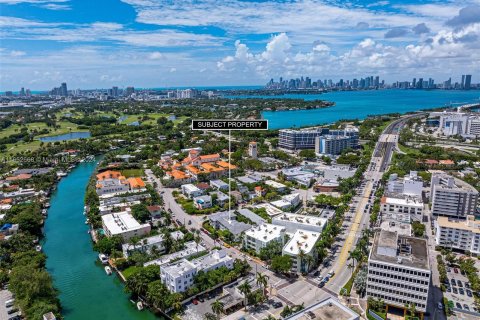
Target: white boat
{"points": [[103, 258], [108, 270], [139, 305], [38, 248], [87, 221]]}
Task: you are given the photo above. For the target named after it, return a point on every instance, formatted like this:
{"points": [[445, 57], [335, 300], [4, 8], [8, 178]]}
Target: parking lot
{"points": [[458, 291], [10, 312]]}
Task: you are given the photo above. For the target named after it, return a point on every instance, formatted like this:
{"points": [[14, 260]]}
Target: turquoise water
{"points": [[360, 104], [66, 136], [86, 292]]}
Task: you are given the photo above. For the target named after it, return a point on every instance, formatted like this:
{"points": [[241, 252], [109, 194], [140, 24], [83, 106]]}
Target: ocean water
{"points": [[360, 104]]}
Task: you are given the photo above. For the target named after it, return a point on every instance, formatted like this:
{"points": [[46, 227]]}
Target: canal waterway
{"points": [[86, 292]]}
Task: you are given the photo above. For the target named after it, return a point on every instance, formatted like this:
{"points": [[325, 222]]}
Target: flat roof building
{"points": [[302, 241], [179, 276], [399, 270], [452, 197], [123, 224], [328, 309], [260, 236], [458, 234], [292, 222]]}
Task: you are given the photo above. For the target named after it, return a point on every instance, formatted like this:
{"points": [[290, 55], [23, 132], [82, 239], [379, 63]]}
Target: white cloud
{"points": [[444, 52], [17, 53], [155, 55]]}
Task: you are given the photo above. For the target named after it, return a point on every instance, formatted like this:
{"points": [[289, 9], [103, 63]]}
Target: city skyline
{"points": [[210, 43]]}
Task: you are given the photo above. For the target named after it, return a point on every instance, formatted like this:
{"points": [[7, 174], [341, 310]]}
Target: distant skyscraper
{"points": [[9, 93], [129, 91], [115, 91], [377, 81], [28, 93], [468, 81], [414, 83], [63, 89], [462, 85], [22, 92], [420, 83]]}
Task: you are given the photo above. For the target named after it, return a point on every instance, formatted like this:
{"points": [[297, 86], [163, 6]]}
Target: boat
{"points": [[87, 221], [103, 258], [139, 305], [38, 248], [108, 270]]}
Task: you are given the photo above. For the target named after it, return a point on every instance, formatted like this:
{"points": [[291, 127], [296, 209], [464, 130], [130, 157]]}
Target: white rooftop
{"points": [[191, 248], [301, 240], [265, 232], [275, 184], [301, 219], [120, 222]]}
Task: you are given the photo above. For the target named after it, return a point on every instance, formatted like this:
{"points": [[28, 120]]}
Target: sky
{"points": [[167, 43]]}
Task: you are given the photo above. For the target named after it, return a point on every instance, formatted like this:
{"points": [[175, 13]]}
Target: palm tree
{"points": [[351, 266], [262, 280], [301, 256], [309, 261], [245, 288], [218, 307], [197, 238]]}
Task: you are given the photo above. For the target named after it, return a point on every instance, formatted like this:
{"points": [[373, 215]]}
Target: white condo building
{"points": [[398, 203], [292, 222], [398, 270], [260, 236], [179, 276], [452, 197], [123, 224], [301, 241], [458, 234], [411, 185], [458, 123]]}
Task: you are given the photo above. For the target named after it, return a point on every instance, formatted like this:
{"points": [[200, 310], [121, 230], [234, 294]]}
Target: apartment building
{"points": [[452, 197], [306, 139], [302, 241], [398, 270], [399, 203], [179, 276], [260, 236], [124, 225], [292, 222], [458, 234], [410, 185], [191, 191]]}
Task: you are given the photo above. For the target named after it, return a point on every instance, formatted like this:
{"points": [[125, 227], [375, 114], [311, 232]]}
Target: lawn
{"points": [[133, 173], [65, 127], [130, 270]]}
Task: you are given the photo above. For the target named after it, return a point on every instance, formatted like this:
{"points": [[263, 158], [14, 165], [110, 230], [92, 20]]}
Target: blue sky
{"points": [[160, 43]]}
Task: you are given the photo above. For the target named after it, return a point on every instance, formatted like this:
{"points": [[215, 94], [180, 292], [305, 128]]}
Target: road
{"points": [[382, 156]]}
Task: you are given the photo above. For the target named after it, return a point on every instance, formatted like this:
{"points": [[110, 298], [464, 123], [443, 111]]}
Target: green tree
{"points": [[218, 307], [262, 281], [245, 288], [281, 264]]}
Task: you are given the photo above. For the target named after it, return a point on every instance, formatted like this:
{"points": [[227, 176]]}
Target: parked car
{"points": [[440, 306], [12, 311], [459, 283], [454, 289], [454, 283], [458, 305], [455, 270], [195, 301], [277, 304], [449, 289], [465, 306], [460, 290], [469, 293]]}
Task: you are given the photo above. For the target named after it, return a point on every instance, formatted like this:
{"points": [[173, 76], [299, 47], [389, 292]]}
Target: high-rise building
{"points": [[468, 81], [414, 83], [115, 91], [63, 89], [129, 91], [8, 93], [458, 234], [22, 92], [452, 198], [28, 93], [399, 270], [462, 85]]}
